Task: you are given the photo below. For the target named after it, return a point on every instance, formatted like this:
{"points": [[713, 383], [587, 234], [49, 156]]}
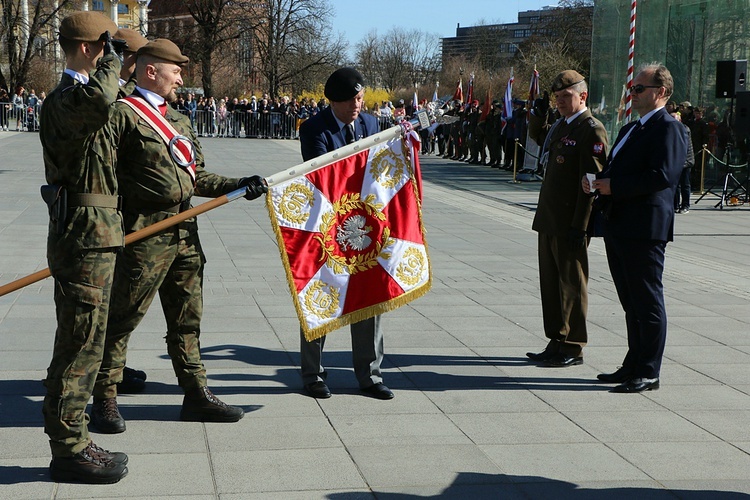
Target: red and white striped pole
{"points": [[631, 51]]}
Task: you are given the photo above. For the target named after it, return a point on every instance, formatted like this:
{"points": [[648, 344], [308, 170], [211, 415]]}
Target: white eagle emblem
{"points": [[352, 234]]}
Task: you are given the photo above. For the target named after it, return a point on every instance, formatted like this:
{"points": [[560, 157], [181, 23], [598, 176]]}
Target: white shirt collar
{"points": [[340, 123], [648, 115], [75, 75], [153, 99], [570, 120]]}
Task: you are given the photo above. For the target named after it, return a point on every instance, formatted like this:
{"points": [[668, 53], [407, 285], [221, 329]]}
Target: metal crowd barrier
{"points": [[18, 118], [241, 124], [206, 123]]}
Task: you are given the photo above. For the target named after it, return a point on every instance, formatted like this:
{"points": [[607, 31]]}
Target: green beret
{"points": [[86, 26], [566, 79], [133, 38], [161, 48], [343, 84]]}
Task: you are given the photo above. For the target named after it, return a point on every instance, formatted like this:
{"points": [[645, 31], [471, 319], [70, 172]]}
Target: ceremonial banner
{"points": [[351, 236]]}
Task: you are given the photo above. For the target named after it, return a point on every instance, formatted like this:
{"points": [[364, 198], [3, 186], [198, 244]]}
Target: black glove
{"points": [[255, 185], [109, 48], [576, 239]]}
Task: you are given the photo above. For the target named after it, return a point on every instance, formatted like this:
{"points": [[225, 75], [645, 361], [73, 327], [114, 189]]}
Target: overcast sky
{"points": [[356, 18]]}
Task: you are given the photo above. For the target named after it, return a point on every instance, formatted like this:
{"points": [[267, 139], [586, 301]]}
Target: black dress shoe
{"points": [[553, 347], [561, 360], [318, 390], [201, 405], [621, 375], [131, 384], [637, 385], [105, 416], [132, 372], [378, 391]]}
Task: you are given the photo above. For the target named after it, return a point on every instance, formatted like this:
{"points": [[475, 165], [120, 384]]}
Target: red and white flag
{"points": [[458, 95], [351, 236]]}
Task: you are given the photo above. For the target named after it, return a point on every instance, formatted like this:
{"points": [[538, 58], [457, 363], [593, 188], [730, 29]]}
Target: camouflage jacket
{"points": [[78, 154], [151, 183]]}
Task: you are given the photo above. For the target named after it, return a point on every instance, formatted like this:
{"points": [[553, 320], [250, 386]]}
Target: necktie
{"points": [[349, 133], [635, 128], [163, 108]]}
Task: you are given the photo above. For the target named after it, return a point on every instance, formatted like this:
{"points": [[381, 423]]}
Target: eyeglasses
{"points": [[639, 89]]}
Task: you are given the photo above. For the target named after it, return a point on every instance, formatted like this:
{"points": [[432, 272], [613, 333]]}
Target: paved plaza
{"points": [[472, 418]]}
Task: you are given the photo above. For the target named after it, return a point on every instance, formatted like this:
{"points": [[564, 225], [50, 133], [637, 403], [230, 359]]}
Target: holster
{"points": [[56, 198]]}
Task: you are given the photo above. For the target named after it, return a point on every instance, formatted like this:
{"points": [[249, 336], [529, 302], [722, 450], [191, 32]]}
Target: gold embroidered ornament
{"points": [[387, 168], [294, 199], [321, 299], [412, 267]]}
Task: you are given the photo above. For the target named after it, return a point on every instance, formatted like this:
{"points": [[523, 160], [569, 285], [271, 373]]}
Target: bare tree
{"points": [[400, 59], [367, 55], [293, 40], [218, 23], [26, 33]]}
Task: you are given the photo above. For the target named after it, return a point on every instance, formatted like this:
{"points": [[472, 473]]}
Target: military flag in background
{"points": [[351, 236], [470, 91], [486, 108], [508, 100], [458, 95], [532, 148]]}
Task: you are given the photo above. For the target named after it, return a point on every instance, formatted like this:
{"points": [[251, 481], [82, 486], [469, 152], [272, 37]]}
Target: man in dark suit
{"points": [[339, 124], [636, 197], [575, 145]]}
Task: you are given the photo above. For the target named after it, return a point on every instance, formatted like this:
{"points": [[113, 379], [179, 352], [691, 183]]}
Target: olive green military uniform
{"points": [[79, 157], [575, 149], [171, 262]]}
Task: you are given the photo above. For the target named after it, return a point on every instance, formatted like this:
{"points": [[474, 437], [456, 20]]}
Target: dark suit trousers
{"points": [[367, 354], [563, 279], [637, 267]]}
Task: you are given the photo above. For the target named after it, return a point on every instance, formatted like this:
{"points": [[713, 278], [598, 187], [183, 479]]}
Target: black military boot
{"points": [[91, 465], [200, 405], [105, 416]]}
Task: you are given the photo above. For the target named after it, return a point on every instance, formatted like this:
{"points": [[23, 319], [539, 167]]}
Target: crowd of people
{"points": [[20, 109]]}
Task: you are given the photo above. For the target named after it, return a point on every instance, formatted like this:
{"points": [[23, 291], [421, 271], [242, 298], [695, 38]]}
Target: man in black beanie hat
{"points": [[336, 126]]}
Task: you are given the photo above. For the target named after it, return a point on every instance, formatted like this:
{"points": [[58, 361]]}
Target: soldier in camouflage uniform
{"points": [[85, 233], [171, 262], [133, 381]]}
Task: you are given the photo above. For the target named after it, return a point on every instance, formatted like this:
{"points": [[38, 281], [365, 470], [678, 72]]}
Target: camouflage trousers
{"points": [[171, 264], [83, 280]]}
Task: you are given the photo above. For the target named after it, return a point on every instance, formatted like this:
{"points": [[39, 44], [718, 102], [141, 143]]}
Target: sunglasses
{"points": [[639, 89]]}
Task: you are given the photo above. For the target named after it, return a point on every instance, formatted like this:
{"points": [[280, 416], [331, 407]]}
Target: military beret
{"points": [[475, 103], [86, 26], [343, 84], [134, 39], [519, 102], [566, 79], [161, 48]]}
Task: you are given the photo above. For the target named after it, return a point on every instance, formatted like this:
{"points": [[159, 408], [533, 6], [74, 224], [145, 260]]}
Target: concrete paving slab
{"points": [[686, 460], [433, 465], [570, 462]]}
